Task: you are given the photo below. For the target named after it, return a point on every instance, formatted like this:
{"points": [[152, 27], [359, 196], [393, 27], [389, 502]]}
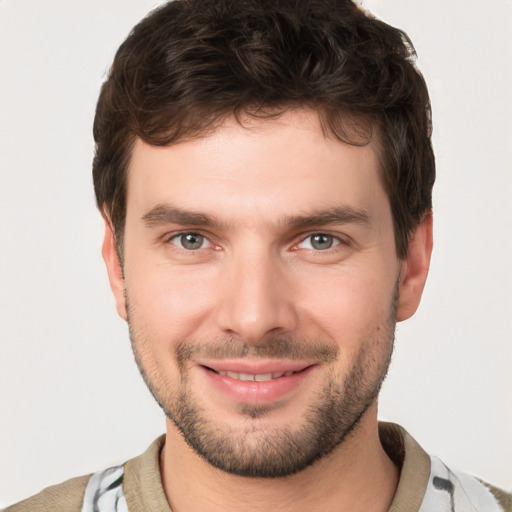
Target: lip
{"points": [[254, 392], [255, 366]]}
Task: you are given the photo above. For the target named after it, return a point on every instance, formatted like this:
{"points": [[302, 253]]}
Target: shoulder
{"points": [[99, 492], [450, 489], [504, 498], [105, 490], [427, 484], [65, 497]]}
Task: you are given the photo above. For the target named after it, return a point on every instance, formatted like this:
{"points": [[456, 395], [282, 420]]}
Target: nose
{"points": [[256, 300]]}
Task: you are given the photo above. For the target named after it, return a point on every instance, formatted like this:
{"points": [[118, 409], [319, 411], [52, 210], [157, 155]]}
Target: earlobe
{"points": [[114, 268], [415, 269]]}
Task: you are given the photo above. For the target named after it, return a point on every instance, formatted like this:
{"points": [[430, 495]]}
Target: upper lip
{"points": [[255, 367]]}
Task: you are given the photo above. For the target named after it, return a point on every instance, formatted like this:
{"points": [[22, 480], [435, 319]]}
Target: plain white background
{"points": [[71, 399]]}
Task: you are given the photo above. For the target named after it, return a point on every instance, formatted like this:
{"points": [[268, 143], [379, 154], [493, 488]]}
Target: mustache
{"points": [[273, 348]]}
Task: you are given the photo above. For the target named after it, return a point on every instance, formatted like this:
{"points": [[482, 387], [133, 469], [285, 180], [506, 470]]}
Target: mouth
{"points": [[248, 377], [256, 382]]}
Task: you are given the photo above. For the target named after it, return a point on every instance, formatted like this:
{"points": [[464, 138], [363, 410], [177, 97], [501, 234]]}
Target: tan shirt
{"points": [[143, 490]]}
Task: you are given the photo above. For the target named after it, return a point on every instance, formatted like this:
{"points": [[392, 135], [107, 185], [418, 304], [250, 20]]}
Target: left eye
{"points": [[190, 241], [319, 242]]}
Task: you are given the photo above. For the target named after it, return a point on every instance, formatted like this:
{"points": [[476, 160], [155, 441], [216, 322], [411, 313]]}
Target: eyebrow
{"points": [[164, 214], [337, 215]]}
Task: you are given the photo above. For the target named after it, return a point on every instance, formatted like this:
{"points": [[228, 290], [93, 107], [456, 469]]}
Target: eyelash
{"points": [[169, 240], [336, 241]]}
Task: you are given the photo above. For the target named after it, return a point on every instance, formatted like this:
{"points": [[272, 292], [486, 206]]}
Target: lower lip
{"points": [[252, 392]]}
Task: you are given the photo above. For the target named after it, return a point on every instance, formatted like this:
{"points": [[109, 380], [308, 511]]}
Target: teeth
{"points": [[262, 377]]}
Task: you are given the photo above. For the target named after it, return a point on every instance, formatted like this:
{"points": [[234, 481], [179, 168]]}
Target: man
{"points": [[264, 170]]}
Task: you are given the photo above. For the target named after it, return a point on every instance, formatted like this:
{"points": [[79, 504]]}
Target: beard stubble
{"points": [[257, 450]]}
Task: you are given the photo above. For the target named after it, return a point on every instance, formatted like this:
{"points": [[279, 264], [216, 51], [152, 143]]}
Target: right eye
{"points": [[190, 241]]}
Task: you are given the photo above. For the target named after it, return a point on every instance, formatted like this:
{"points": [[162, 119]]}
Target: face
{"points": [[261, 286]]}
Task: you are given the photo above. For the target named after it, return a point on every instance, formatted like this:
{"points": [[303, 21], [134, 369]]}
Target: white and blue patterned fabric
{"points": [[454, 491], [104, 492]]}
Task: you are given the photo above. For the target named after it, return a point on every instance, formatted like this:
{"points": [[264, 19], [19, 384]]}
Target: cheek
{"points": [[349, 309], [168, 302]]}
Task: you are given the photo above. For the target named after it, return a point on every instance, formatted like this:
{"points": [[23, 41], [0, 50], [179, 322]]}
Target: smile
{"points": [[245, 383], [260, 377]]}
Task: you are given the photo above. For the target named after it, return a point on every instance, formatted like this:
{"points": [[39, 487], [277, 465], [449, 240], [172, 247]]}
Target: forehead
{"points": [[275, 166]]}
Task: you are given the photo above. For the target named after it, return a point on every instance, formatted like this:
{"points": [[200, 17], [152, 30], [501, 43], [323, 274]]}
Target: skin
{"points": [[256, 277]]}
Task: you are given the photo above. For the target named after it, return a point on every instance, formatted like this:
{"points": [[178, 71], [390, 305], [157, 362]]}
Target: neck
{"points": [[358, 475]]}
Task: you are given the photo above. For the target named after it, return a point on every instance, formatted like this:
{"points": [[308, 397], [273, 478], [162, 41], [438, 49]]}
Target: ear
{"points": [[114, 269], [414, 269]]}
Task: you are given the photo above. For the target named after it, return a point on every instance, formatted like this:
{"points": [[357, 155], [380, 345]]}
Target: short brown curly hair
{"points": [[191, 63]]}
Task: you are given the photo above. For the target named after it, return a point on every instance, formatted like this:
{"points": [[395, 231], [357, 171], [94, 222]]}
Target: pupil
{"points": [[191, 241], [321, 242]]}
